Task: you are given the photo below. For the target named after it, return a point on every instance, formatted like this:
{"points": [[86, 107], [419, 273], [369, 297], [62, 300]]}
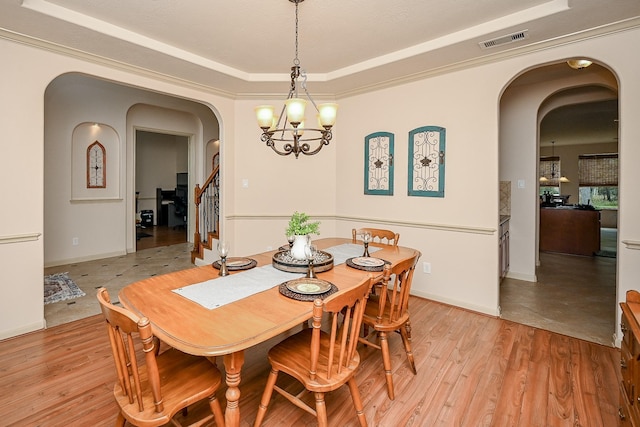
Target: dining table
{"points": [[230, 329]]}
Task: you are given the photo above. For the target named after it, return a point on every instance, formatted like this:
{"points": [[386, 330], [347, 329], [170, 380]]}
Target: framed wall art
{"points": [[378, 164], [96, 166], [426, 161]]}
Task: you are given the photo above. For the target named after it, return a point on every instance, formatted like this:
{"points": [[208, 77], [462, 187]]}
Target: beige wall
{"points": [[456, 234]]}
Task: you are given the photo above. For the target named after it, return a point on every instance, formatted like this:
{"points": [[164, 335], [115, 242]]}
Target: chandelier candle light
{"points": [[293, 135]]}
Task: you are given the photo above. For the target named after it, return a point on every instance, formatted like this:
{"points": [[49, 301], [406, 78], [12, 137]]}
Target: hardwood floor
{"points": [[158, 235], [473, 370]]}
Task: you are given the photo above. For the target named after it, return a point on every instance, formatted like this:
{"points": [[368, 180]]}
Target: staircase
{"points": [[207, 213]]}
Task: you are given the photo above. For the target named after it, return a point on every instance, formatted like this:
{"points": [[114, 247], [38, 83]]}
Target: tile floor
{"points": [[113, 273], [574, 295]]}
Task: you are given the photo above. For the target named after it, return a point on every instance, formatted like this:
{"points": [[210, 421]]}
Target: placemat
{"points": [[252, 263], [351, 264], [304, 297]]}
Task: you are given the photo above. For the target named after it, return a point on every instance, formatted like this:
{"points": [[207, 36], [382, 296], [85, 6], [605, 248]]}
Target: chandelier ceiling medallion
{"points": [[293, 136]]}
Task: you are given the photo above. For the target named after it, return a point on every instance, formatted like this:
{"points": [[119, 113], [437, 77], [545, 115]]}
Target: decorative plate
{"points": [[307, 286], [323, 261], [237, 263], [367, 263]]}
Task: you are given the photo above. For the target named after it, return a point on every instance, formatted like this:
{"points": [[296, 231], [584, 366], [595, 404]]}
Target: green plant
{"points": [[300, 225]]}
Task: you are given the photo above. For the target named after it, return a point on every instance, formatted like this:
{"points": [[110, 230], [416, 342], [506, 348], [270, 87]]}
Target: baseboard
{"points": [[83, 259], [495, 311], [520, 276], [25, 329]]}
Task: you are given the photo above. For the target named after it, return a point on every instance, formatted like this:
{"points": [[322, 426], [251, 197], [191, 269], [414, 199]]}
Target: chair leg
{"points": [[218, 416], [321, 410], [386, 361], [406, 340], [120, 421], [357, 401], [266, 397]]}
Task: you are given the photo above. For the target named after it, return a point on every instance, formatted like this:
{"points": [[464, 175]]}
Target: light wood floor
{"points": [[473, 370]]}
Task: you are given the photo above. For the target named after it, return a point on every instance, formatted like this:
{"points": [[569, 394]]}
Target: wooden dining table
{"points": [[231, 329]]}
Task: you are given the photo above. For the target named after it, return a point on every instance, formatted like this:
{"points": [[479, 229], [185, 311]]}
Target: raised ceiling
{"points": [[246, 47]]}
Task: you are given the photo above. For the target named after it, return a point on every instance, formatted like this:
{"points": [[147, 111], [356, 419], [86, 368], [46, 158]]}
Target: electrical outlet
{"points": [[75, 241], [426, 267], [269, 248]]}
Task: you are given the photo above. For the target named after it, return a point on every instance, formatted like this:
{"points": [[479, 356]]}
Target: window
{"points": [[549, 173], [598, 180]]}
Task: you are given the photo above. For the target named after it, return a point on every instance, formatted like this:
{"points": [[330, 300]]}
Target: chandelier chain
{"points": [[296, 61]]}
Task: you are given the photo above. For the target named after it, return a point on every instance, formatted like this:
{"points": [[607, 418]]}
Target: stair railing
{"points": [[207, 211]]}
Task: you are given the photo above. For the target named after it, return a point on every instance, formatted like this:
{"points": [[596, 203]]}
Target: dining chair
{"points": [[378, 235], [321, 361], [387, 310], [152, 387]]}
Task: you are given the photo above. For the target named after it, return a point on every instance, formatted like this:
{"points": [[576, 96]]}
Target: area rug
{"points": [[59, 287]]}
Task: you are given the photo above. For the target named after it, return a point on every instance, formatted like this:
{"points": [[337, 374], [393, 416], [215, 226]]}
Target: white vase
{"points": [[299, 243]]}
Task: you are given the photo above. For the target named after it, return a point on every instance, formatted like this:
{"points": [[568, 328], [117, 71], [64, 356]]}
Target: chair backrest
{"points": [[126, 332], [378, 235], [340, 353], [393, 301]]}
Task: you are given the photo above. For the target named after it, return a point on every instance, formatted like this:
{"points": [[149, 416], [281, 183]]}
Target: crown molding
{"points": [[620, 26], [108, 62], [617, 27]]}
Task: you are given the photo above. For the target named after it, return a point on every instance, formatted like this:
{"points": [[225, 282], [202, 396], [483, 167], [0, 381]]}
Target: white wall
{"points": [[456, 234], [24, 81]]}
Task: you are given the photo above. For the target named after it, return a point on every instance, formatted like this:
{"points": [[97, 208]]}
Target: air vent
{"points": [[510, 38]]}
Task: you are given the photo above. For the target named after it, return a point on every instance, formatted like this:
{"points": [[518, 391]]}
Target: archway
{"points": [[525, 102]]}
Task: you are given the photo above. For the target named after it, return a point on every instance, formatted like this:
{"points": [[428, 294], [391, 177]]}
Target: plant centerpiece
{"points": [[300, 227]]}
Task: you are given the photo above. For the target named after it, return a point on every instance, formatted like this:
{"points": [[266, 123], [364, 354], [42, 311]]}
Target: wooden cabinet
{"points": [[630, 361], [504, 247], [570, 231]]}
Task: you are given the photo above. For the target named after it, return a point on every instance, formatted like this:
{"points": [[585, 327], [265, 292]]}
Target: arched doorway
{"points": [[559, 94]]}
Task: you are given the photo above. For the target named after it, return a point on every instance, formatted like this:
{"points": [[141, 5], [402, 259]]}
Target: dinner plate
{"points": [[238, 262], [307, 286], [365, 261]]}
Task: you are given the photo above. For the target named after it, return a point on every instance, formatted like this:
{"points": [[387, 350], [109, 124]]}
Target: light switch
{"points": [[521, 183], [245, 183]]}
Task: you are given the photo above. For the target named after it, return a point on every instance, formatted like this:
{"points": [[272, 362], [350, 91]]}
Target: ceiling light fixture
{"points": [[291, 138], [579, 64]]}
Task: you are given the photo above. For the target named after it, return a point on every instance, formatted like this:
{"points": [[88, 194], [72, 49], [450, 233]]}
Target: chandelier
{"points": [[293, 136]]}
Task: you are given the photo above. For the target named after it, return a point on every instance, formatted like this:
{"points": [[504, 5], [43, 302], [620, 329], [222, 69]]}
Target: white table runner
{"points": [[220, 291]]}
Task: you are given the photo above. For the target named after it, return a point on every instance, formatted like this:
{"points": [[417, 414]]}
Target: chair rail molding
{"points": [[412, 224], [631, 244], [19, 238]]}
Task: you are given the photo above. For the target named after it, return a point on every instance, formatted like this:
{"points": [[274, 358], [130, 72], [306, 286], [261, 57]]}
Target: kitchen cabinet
{"points": [[570, 231], [630, 361], [504, 246]]}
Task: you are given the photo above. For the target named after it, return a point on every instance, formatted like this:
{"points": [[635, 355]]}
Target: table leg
{"points": [[233, 365]]}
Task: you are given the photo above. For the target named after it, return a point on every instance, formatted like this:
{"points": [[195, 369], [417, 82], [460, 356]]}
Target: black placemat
{"points": [[252, 263], [305, 297], [350, 263]]}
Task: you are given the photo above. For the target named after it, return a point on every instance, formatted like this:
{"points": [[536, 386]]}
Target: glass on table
{"points": [[366, 238], [223, 251]]}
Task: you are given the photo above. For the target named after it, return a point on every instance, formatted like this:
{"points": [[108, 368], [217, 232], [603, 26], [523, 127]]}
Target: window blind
{"points": [[550, 169], [598, 170]]}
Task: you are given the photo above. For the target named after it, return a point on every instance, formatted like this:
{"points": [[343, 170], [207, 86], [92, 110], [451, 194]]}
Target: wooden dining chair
{"points": [[321, 361], [378, 235], [387, 310], [153, 387]]}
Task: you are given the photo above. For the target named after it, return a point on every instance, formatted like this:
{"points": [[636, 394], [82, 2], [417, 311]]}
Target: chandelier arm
{"points": [[296, 139]]}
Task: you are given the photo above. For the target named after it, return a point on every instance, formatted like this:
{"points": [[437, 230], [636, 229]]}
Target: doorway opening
{"points": [[162, 189], [563, 116]]}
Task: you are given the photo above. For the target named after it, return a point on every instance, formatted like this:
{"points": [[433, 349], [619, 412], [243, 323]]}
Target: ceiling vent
{"points": [[510, 38]]}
